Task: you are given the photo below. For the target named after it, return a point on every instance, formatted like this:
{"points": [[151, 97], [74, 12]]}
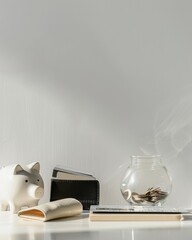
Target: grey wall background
{"points": [[86, 84]]}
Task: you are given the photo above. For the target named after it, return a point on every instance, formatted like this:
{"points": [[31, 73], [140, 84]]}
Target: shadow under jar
{"points": [[146, 181]]}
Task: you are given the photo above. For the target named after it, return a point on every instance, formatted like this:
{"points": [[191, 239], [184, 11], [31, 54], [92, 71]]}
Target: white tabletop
{"points": [[14, 228]]}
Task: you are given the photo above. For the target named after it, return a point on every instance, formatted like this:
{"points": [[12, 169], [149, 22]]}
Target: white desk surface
{"points": [[14, 228]]}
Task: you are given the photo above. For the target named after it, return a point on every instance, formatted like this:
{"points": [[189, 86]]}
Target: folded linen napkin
{"points": [[67, 207]]}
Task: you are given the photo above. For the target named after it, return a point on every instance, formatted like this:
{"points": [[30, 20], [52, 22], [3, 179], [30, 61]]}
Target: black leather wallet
{"points": [[86, 191]]}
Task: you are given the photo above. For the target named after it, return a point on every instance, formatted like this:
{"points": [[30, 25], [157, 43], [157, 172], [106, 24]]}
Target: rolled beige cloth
{"points": [[67, 207]]}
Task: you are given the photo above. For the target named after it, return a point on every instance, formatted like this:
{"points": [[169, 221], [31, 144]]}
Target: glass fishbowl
{"points": [[146, 182]]}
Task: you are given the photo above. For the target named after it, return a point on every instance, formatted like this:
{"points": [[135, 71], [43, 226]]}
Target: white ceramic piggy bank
{"points": [[20, 187]]}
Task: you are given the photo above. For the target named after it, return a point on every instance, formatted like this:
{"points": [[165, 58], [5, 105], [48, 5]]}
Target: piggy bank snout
{"points": [[36, 191], [39, 192]]}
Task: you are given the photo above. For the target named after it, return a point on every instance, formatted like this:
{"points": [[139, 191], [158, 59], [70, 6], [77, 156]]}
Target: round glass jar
{"points": [[146, 181]]}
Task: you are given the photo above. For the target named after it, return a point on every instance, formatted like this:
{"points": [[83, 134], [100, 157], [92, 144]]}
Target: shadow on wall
{"points": [[173, 131], [172, 139]]}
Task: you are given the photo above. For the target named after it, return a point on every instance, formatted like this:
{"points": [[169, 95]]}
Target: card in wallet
{"points": [[86, 191], [61, 172]]}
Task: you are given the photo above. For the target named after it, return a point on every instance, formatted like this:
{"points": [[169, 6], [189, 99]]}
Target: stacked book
{"points": [[138, 213]]}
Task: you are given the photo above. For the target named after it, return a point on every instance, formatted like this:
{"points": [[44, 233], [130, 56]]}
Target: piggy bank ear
{"points": [[34, 166], [17, 168]]}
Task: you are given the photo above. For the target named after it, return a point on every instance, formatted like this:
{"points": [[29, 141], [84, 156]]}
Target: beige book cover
{"points": [[67, 207], [135, 217]]}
